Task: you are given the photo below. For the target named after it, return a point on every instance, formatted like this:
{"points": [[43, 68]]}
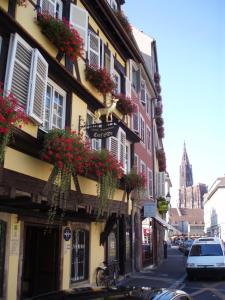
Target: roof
{"points": [[192, 215]]}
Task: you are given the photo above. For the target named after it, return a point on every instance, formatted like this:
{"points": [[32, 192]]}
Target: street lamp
{"points": [[168, 197]]}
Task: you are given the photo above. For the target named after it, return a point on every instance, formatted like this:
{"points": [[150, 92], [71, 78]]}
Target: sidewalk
{"points": [[170, 274]]}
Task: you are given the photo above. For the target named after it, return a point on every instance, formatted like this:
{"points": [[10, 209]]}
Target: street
{"points": [[171, 274]]}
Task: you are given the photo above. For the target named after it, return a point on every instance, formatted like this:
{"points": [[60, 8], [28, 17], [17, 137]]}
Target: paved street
{"points": [[171, 274]]}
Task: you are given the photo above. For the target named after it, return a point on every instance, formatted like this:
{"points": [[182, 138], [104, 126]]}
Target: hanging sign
{"points": [[150, 210], [102, 132]]}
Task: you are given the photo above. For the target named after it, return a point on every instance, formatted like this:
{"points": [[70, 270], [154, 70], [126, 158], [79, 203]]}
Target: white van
{"points": [[206, 258]]}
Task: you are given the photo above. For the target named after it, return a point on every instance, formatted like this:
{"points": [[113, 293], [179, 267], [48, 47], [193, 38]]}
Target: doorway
{"points": [[41, 261], [80, 255]]}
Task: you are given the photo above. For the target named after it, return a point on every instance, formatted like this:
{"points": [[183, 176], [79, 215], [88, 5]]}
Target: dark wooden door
{"points": [[41, 261]]}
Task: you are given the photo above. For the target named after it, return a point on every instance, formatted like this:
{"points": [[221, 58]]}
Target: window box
{"points": [[124, 21], [126, 105], [62, 34]]}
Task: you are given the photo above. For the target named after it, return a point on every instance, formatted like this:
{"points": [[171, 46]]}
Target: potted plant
{"points": [[66, 151], [159, 121], [11, 114], [160, 131], [61, 33], [135, 182], [100, 79], [156, 77], [162, 205], [123, 21], [161, 156], [126, 105], [158, 88], [105, 167], [158, 111]]}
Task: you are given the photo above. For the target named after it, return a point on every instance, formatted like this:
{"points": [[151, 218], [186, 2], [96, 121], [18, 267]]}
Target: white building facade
{"points": [[214, 209]]}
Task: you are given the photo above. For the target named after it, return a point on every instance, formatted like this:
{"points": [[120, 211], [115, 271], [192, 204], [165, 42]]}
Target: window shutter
{"points": [[135, 121], [128, 87], [150, 182], [79, 20], [138, 80], [122, 156], [18, 68], [48, 7], [94, 49], [143, 93], [113, 146], [161, 184], [111, 63], [38, 87]]}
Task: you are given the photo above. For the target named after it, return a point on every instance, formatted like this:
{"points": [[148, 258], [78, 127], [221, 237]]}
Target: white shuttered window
{"points": [[117, 146], [79, 20], [26, 76], [52, 7], [160, 184], [94, 49]]}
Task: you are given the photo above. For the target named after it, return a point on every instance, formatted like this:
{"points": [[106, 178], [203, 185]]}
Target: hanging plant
{"points": [[100, 79], [156, 77], [11, 114], [136, 183], [162, 205], [62, 34], [158, 88], [126, 104], [159, 121], [103, 165], [159, 98], [69, 155], [160, 131], [161, 156], [158, 110], [124, 21]]}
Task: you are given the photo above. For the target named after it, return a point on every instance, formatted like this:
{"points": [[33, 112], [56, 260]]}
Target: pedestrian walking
{"points": [[165, 249]]}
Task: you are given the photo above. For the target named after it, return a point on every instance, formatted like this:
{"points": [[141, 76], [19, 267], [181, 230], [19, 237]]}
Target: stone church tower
{"points": [[190, 196]]}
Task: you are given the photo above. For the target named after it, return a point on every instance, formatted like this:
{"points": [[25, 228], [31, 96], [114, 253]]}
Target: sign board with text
{"points": [[150, 210]]}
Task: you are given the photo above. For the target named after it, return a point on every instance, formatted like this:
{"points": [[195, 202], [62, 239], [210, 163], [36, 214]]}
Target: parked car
{"points": [[187, 246], [117, 293], [206, 258]]}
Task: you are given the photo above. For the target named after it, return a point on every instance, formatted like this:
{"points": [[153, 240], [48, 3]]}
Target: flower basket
{"points": [[158, 88], [11, 114], [124, 21], [160, 131], [103, 165], [158, 111], [135, 182], [161, 156], [159, 121], [22, 2], [126, 104], [162, 205], [156, 77], [62, 35], [100, 79], [159, 98]]}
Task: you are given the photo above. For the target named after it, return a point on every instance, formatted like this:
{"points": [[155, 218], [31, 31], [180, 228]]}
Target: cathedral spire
{"points": [[186, 178]]}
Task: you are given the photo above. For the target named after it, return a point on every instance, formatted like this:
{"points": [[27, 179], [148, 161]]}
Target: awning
{"points": [[165, 224]]}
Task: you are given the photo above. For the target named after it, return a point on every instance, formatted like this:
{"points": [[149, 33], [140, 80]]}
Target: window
{"points": [[127, 158], [79, 20], [143, 92], [52, 7], [206, 250], [117, 80], [134, 79], [150, 182], [107, 63], [117, 146], [142, 129], [94, 49], [148, 105], [55, 104], [135, 121], [26, 76], [148, 138], [142, 168], [136, 165], [95, 144], [113, 4]]}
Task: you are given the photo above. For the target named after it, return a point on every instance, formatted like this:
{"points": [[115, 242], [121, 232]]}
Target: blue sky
{"points": [[191, 56]]}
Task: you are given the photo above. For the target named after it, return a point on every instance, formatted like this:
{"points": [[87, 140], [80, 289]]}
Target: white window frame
{"points": [[142, 166], [120, 146], [54, 4], [143, 89], [82, 29], [97, 53], [136, 128], [96, 144], [117, 83], [55, 88], [142, 128], [136, 158], [148, 105], [148, 139], [127, 165]]}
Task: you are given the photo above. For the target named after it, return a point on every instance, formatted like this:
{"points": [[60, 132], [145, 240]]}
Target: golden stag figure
{"points": [[106, 111]]}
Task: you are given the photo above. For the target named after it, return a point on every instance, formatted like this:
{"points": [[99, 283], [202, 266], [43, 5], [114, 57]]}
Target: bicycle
{"points": [[107, 274]]}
